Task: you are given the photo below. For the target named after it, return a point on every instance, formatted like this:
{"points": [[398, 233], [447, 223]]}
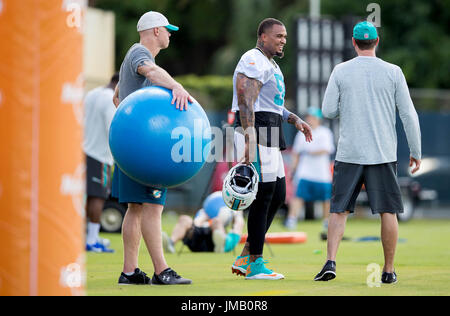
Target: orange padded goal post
{"points": [[41, 162]]}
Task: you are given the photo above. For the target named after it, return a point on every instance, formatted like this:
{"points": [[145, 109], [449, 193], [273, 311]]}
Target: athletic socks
{"points": [[93, 230]]}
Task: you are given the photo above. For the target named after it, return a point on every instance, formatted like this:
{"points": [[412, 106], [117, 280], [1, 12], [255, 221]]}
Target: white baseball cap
{"points": [[153, 19]]}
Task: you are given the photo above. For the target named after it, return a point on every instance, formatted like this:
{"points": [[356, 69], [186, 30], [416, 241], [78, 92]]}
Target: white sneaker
{"points": [[103, 241], [291, 223]]}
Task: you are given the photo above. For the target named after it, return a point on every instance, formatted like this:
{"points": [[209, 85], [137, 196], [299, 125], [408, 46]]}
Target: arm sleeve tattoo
{"points": [[247, 93], [290, 117]]}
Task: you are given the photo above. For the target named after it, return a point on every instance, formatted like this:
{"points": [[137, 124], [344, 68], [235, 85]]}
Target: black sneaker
{"points": [[328, 272], [169, 277], [138, 277], [389, 278]]}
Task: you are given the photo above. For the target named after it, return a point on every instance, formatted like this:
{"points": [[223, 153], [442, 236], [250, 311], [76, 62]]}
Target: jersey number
{"points": [[279, 98]]}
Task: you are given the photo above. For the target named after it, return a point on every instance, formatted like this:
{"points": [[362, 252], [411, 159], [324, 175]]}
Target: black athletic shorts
{"points": [[98, 178], [267, 120], [199, 239], [380, 183]]}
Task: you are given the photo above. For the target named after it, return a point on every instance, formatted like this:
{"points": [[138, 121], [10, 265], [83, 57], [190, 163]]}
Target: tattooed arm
{"points": [[301, 125], [247, 93]]}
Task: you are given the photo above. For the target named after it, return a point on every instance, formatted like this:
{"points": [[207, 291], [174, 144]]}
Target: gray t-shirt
{"points": [[129, 79], [364, 94]]}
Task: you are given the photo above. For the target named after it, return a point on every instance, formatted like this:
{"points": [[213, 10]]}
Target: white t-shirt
{"points": [[99, 111], [314, 167], [254, 64]]}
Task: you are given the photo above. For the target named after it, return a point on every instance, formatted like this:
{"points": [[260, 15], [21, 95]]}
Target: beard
{"points": [[268, 51], [280, 54]]}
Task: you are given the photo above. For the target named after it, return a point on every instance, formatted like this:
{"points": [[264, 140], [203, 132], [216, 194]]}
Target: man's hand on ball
{"points": [[181, 98]]}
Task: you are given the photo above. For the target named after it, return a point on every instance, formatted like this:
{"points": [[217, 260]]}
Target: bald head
{"points": [[155, 39]]}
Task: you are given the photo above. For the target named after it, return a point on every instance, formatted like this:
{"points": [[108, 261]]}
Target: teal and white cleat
{"points": [[240, 265], [258, 271]]}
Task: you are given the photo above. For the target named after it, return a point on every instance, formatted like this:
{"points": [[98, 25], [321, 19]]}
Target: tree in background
{"points": [[203, 27], [414, 35], [215, 33]]}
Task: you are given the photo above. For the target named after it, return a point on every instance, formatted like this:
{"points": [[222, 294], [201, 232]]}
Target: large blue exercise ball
{"points": [[213, 204], [155, 143]]}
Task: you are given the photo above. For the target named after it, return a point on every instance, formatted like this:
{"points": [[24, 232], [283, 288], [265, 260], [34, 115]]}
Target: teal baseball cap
{"points": [[365, 31], [314, 111], [153, 19]]}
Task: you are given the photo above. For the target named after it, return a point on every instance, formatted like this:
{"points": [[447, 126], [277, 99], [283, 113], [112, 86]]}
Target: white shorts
{"points": [[268, 160]]}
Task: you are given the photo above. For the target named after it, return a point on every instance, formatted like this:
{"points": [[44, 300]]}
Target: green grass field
{"points": [[422, 265]]}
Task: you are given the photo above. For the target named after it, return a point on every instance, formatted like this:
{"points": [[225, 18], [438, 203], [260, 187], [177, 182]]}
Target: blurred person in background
{"points": [[312, 170], [99, 111], [207, 231]]}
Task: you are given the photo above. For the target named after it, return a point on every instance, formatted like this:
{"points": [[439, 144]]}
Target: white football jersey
{"points": [[254, 64]]}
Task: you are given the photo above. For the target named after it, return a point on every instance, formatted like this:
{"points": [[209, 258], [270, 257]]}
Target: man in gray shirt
{"points": [[364, 94], [145, 204]]}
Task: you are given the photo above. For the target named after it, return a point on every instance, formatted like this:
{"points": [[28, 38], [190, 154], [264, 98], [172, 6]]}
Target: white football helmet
{"points": [[240, 186]]}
